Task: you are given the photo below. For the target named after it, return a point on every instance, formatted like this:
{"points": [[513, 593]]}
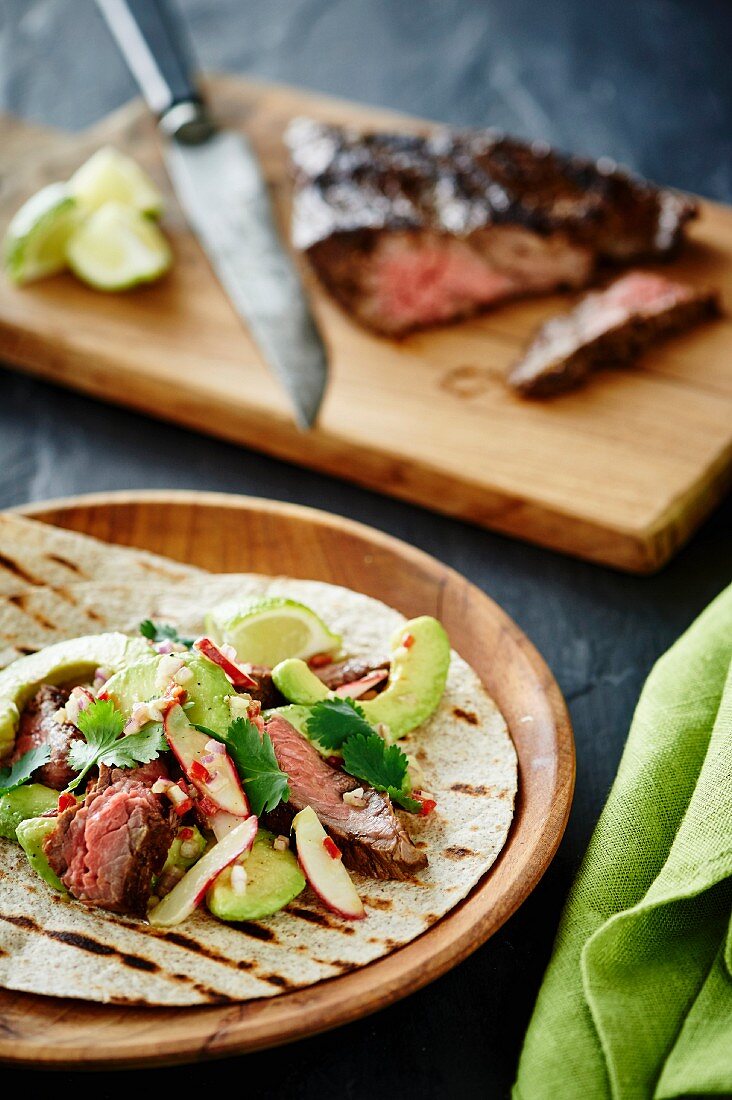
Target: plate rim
{"points": [[219, 1031]]}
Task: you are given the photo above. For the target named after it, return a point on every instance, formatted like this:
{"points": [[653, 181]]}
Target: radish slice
{"points": [[186, 894], [323, 869], [223, 823], [357, 688], [238, 677], [218, 782]]}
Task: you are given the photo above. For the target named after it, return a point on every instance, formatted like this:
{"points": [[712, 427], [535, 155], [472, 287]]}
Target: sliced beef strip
{"points": [[107, 849], [372, 839], [265, 691], [408, 231], [339, 673], [38, 726], [608, 327]]}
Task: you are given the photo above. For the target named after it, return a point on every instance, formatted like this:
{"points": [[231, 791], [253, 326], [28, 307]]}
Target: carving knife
{"points": [[220, 186]]}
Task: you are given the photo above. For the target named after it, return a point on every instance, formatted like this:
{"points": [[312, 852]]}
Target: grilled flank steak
{"points": [[608, 328], [371, 837], [408, 231]]}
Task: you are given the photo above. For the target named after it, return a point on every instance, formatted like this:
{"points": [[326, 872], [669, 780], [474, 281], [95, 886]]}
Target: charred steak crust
{"points": [[38, 726], [408, 230], [372, 839], [107, 848], [607, 328]]}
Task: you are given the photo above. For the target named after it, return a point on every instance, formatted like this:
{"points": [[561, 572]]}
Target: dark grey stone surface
{"points": [[649, 83]]}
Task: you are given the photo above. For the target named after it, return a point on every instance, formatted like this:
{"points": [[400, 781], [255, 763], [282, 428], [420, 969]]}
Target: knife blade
{"points": [[221, 188]]}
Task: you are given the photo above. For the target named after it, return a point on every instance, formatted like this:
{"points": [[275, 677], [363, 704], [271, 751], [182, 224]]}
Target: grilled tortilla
{"points": [[55, 946]]}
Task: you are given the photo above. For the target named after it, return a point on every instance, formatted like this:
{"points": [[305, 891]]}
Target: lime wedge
{"points": [[35, 242], [117, 247], [110, 176], [270, 631]]}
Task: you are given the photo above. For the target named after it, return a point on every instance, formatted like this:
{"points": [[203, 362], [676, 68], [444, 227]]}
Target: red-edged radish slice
{"points": [[238, 677], [357, 688], [218, 780], [222, 824], [320, 860], [186, 894]]}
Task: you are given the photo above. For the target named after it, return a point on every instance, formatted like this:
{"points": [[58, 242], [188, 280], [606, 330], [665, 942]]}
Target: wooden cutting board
{"points": [[621, 472]]}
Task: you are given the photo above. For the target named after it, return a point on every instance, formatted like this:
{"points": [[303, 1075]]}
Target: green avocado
{"points": [[274, 878], [207, 690], [64, 662], [32, 800], [298, 683], [417, 678], [31, 834], [175, 859]]}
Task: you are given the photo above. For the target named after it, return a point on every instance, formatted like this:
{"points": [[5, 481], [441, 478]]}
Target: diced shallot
{"points": [[79, 699], [216, 748], [238, 879]]}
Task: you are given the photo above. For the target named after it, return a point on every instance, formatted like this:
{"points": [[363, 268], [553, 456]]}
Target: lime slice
{"points": [[35, 242], [118, 247], [110, 176], [270, 631]]}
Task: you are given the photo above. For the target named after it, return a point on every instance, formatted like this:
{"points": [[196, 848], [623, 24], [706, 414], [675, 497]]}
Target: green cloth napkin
{"points": [[637, 999]]}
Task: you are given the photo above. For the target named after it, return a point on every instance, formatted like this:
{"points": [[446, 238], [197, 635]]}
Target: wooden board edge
{"points": [[644, 550]]}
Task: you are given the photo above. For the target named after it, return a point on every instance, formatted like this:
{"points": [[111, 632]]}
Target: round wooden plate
{"points": [[237, 534]]}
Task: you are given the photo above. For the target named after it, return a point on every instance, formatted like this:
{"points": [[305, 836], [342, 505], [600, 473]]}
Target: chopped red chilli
{"points": [[199, 773], [408, 641], [331, 848], [64, 801]]}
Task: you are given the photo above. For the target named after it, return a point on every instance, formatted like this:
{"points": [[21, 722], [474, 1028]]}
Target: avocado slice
{"points": [[63, 662], [298, 683], [31, 834], [207, 691], [32, 800], [274, 878], [417, 678], [175, 859]]}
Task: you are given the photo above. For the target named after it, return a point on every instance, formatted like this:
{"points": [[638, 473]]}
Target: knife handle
{"points": [[151, 38]]}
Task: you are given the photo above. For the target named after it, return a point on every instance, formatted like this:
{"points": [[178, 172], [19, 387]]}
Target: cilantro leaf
{"points": [[333, 721], [382, 766], [161, 632], [23, 768], [264, 782], [136, 748], [101, 724]]}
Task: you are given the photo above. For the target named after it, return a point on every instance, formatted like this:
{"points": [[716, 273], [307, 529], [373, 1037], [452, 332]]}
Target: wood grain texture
{"points": [[621, 472], [222, 533]]}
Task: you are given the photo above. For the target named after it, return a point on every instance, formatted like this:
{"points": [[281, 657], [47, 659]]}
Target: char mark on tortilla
{"points": [[371, 838]]}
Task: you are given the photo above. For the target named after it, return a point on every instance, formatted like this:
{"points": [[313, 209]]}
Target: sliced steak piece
{"points": [[408, 231], [340, 673], [38, 726], [372, 838], [608, 327], [106, 849], [265, 691]]}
